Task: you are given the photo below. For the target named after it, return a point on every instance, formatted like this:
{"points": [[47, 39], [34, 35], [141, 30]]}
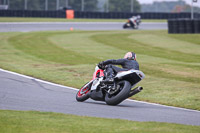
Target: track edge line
{"points": [[68, 87]]}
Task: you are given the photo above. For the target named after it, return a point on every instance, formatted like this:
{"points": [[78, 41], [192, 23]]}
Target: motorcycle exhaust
{"points": [[135, 91]]}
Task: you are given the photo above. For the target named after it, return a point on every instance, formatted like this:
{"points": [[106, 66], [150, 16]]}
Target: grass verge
{"points": [[27, 19], [45, 122], [170, 62]]}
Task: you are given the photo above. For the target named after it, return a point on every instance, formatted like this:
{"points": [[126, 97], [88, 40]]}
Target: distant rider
{"points": [[127, 63], [133, 22]]}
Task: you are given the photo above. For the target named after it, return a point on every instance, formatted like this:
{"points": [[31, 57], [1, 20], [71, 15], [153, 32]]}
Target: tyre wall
{"points": [[183, 26]]}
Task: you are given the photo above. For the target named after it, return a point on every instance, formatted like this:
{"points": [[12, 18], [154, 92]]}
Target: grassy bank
{"points": [[27, 19], [170, 62], [44, 122]]}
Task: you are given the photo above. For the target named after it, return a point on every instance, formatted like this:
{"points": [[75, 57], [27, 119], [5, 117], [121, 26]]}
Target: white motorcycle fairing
{"points": [[133, 76], [119, 76], [123, 73], [96, 82]]}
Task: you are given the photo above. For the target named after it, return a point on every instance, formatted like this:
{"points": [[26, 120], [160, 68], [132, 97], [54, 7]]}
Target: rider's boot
{"points": [[108, 80], [109, 74]]}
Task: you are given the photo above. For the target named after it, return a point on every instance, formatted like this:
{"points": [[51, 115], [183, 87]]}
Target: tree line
{"points": [[77, 5], [168, 6]]}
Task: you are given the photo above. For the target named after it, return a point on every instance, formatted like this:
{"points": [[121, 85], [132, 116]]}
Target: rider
{"points": [[133, 21], [138, 19], [127, 63]]}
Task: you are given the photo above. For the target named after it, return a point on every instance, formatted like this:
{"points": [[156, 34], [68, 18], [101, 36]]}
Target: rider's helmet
{"points": [[138, 16], [130, 56]]}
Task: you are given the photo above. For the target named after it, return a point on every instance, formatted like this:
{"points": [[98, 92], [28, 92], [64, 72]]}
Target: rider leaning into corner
{"points": [[127, 63], [135, 20]]}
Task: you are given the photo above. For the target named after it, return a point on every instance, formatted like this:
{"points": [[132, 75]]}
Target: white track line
{"points": [[50, 83], [39, 80]]}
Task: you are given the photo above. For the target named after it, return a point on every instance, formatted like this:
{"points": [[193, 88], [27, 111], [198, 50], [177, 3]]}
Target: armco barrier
{"points": [[30, 13], [184, 26], [79, 14]]}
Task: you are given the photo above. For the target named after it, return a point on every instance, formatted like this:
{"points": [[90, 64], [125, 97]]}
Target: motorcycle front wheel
{"points": [[125, 25], [82, 94], [122, 93]]}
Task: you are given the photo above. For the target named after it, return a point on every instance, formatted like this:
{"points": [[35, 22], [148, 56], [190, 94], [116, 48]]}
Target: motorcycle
{"points": [[111, 93], [132, 23]]}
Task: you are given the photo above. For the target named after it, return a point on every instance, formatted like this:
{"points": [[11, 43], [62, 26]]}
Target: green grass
{"points": [[171, 63], [45, 122], [27, 19]]}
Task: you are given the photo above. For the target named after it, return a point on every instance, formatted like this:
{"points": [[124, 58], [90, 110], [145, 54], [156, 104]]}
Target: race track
{"points": [[64, 26], [18, 92]]}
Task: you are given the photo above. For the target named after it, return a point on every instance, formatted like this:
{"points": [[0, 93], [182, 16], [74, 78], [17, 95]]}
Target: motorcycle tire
{"points": [[125, 88], [83, 93], [135, 27], [125, 26]]}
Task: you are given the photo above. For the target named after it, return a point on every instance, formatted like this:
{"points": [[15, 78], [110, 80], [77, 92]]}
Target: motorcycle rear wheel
{"points": [[82, 94], [123, 93]]}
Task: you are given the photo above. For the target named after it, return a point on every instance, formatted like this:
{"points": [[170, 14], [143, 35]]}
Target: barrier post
{"points": [[69, 14]]}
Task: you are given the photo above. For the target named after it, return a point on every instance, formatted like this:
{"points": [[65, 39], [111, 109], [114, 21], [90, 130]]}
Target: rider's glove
{"points": [[101, 65]]}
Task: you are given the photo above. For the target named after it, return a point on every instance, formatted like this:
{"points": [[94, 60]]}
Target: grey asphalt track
{"points": [[18, 92], [65, 26]]}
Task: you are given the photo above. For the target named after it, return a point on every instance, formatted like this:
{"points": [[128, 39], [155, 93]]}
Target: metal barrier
{"points": [[79, 14]]}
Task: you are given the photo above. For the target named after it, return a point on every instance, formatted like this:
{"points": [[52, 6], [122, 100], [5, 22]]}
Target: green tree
{"points": [[36, 4], [52, 5], [168, 6], [31, 4], [123, 6], [89, 5], [16, 4]]}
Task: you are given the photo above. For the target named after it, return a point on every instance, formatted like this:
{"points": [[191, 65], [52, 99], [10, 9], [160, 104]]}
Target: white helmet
{"points": [[130, 56]]}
